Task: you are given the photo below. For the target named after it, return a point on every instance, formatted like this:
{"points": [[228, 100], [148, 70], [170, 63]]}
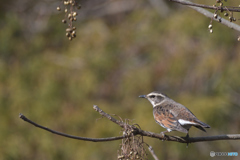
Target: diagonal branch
{"points": [[136, 131], [199, 8], [120, 123], [152, 152], [223, 21], [229, 8]]}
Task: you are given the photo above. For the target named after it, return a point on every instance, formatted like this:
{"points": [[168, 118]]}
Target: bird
{"points": [[171, 115]]}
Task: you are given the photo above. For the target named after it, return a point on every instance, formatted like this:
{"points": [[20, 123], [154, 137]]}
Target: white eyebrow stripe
{"points": [[185, 122], [156, 94]]}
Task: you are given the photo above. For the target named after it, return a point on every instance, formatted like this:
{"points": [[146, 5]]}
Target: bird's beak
{"points": [[142, 96]]}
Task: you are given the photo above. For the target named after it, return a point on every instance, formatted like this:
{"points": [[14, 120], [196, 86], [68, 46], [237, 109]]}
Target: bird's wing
{"points": [[166, 119], [186, 117]]}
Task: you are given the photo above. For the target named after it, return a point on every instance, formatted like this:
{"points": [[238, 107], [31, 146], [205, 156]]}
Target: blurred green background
{"points": [[123, 49]]}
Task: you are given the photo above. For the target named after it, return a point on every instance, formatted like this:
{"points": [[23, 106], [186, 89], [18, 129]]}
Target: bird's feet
{"points": [[163, 135], [187, 139]]}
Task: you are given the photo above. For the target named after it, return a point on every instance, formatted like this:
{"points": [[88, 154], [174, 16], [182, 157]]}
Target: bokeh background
{"points": [[123, 49]]}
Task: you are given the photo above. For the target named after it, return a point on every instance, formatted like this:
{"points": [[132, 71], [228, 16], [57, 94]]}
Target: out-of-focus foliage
{"points": [[114, 59]]}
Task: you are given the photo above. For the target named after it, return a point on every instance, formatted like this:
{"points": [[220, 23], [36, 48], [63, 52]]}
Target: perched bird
{"points": [[172, 115]]}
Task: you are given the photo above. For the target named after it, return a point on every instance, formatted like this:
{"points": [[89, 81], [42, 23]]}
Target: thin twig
{"points": [[121, 124], [229, 8], [70, 136], [223, 21], [152, 152], [199, 8]]}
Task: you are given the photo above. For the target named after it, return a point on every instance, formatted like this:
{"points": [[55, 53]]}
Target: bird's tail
{"points": [[204, 125], [201, 125]]}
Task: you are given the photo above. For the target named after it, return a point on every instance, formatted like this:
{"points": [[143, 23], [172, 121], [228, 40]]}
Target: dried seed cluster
{"points": [[219, 8], [70, 7], [133, 146]]}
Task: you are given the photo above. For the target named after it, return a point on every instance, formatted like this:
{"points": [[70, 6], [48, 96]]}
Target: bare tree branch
{"points": [[227, 8], [152, 152], [70, 136], [137, 131], [120, 123], [223, 21], [199, 8]]}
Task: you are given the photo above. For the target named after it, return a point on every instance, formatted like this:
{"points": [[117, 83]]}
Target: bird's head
{"points": [[155, 97]]}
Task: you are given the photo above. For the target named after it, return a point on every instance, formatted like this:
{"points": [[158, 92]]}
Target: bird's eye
{"points": [[152, 96]]}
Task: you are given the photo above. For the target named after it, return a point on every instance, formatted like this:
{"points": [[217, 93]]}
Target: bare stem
{"points": [[227, 8], [152, 152], [200, 9], [67, 135], [137, 131]]}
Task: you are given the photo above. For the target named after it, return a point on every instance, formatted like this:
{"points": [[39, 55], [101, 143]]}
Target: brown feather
{"points": [[169, 113], [167, 119]]}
